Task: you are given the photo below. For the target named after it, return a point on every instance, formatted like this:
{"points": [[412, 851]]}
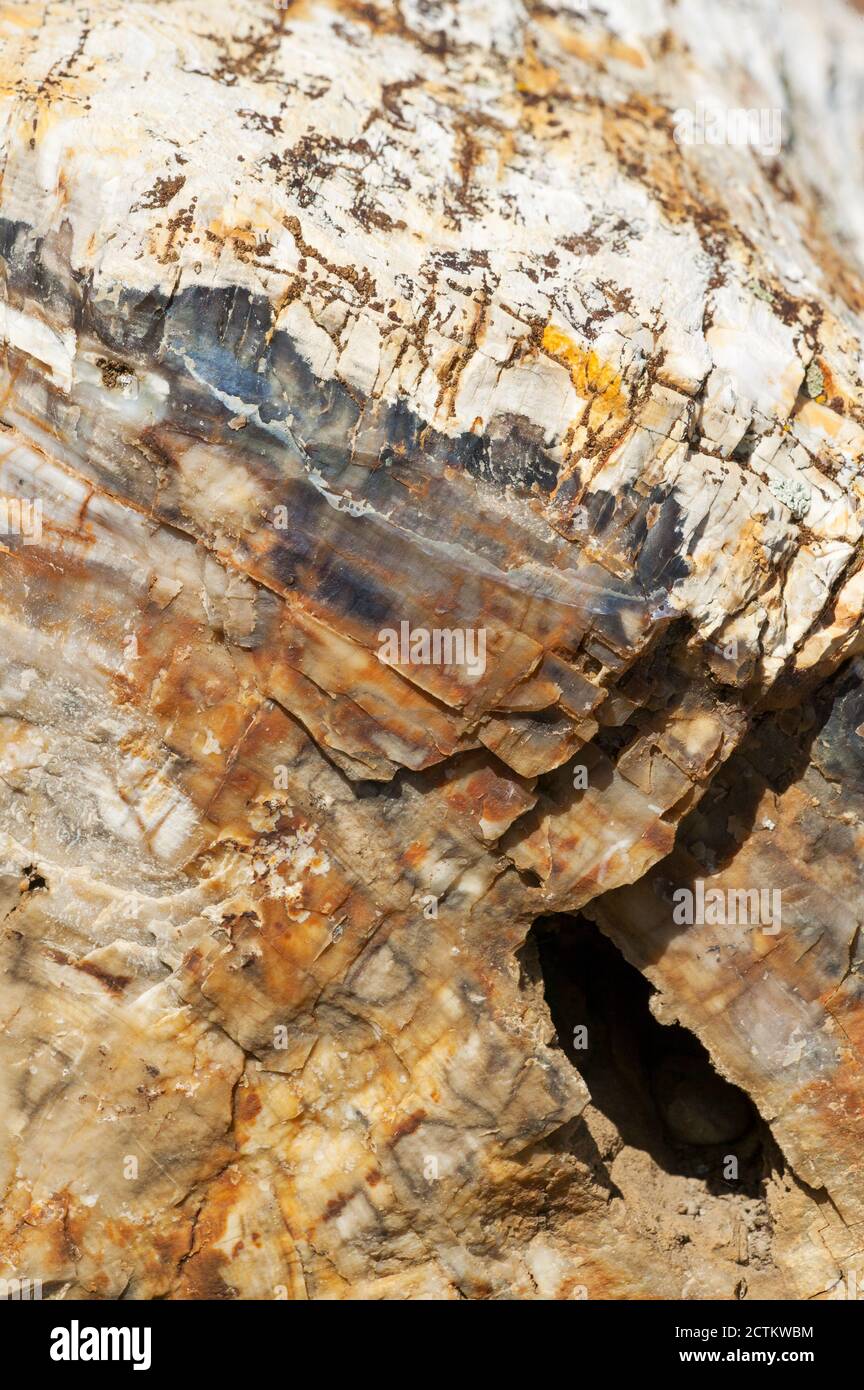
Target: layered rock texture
{"points": [[431, 501]]}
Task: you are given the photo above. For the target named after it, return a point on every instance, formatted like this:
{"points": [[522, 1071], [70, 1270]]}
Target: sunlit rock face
{"points": [[431, 502]]}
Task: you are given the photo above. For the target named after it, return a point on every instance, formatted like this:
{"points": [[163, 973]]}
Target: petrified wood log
{"points": [[431, 502]]}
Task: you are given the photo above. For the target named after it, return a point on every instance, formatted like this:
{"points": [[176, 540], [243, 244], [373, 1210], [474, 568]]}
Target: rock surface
{"points": [[337, 320]]}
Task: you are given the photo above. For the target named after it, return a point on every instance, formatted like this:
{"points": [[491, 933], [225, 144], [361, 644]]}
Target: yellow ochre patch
{"points": [[595, 380]]}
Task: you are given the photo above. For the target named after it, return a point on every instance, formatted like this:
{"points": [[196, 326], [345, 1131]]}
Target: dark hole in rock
{"points": [[34, 879], [655, 1082]]}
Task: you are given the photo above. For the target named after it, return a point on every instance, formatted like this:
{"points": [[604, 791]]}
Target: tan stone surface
{"points": [[325, 319]]}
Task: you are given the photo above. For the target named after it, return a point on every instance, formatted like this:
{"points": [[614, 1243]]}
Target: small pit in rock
{"points": [[656, 1083]]}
